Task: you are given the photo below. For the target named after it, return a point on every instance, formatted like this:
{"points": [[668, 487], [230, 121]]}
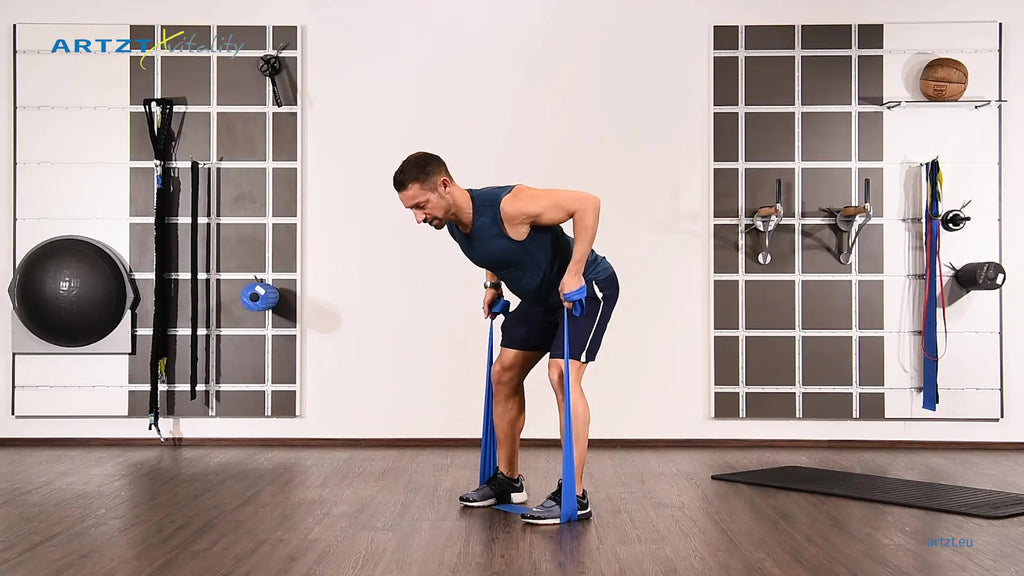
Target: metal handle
{"points": [[766, 219], [765, 256], [851, 220]]}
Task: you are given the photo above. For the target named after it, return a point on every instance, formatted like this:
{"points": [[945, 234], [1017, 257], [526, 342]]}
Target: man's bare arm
{"points": [[551, 207]]}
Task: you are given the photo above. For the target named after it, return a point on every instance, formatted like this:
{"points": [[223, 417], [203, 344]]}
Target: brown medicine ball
{"points": [[944, 80]]}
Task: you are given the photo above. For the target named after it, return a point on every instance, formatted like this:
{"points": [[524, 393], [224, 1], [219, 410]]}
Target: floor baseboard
{"points": [[526, 442]]}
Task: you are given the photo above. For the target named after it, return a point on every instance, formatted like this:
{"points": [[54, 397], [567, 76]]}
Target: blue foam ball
{"points": [[259, 296]]}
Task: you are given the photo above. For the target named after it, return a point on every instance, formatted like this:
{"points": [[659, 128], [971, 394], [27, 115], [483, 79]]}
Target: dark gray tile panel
{"points": [[727, 295], [769, 37], [240, 82], [826, 37], [826, 80], [727, 361], [727, 405], [241, 359], [241, 403], [770, 361], [770, 137], [727, 81], [871, 353], [827, 405], [826, 136], [770, 305], [769, 80], [283, 367], [827, 361], [771, 405], [285, 184], [827, 305], [726, 38]]}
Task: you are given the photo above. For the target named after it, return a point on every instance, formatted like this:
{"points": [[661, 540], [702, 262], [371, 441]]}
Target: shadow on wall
{"points": [[321, 317], [912, 69], [828, 238], [285, 307], [953, 290], [912, 298]]}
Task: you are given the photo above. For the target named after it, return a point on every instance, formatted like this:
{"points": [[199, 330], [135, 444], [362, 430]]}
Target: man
{"points": [[514, 234]]}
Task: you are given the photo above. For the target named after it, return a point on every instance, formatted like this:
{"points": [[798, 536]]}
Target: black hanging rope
{"points": [[159, 112], [194, 365], [209, 287]]}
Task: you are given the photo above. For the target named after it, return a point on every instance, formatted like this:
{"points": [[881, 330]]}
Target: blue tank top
{"points": [[531, 268]]}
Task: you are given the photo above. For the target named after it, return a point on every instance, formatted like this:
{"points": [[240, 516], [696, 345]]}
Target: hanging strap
{"points": [[194, 279], [159, 112], [209, 290]]}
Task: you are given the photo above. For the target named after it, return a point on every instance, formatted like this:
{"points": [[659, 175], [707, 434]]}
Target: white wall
{"points": [[600, 96]]}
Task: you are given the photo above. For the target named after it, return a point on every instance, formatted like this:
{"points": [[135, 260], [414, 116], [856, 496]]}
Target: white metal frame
{"points": [[854, 164], [214, 221], [855, 274]]}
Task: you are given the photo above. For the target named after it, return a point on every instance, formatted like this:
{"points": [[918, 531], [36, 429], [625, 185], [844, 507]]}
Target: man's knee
{"points": [[506, 377], [556, 375], [501, 375], [511, 367]]}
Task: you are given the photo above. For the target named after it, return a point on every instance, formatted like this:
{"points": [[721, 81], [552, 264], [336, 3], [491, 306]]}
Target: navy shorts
{"points": [[537, 329]]}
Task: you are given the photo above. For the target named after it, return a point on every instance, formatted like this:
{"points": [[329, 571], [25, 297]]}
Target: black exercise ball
{"points": [[70, 291]]}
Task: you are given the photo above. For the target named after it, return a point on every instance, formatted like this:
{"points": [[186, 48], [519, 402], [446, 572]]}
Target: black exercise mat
{"points": [[950, 498]]}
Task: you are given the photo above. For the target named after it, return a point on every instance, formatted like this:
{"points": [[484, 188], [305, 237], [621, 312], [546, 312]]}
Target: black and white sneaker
{"points": [[498, 489], [550, 511]]}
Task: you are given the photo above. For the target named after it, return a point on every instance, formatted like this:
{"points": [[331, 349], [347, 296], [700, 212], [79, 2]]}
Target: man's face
{"points": [[428, 204]]}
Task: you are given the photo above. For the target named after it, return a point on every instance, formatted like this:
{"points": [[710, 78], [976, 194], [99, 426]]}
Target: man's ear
{"points": [[444, 186]]}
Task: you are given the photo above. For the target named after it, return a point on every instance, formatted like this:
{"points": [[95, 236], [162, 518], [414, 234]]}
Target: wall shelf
{"points": [[892, 104]]}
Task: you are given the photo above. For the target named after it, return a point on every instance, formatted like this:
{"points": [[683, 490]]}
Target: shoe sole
{"points": [[517, 498], [558, 520]]}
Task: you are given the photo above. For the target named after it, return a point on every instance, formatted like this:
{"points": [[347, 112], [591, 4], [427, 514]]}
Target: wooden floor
{"points": [[226, 510]]}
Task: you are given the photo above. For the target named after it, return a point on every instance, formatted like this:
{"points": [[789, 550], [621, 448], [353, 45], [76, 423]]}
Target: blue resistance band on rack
{"points": [[489, 441], [933, 214]]}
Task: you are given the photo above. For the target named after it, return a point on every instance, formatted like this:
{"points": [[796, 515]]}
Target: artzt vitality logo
{"points": [[176, 42]]}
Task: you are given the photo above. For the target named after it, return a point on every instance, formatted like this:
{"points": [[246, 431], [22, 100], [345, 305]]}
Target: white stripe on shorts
{"points": [[600, 297]]}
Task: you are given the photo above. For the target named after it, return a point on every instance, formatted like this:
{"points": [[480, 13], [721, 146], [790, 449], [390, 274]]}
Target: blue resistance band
{"points": [[488, 438], [569, 508], [489, 441]]}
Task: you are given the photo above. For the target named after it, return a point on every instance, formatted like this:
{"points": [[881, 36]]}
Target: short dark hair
{"points": [[419, 168]]}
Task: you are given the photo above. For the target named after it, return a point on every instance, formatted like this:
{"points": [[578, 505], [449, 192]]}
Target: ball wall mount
{"points": [[72, 295], [973, 277], [954, 220], [980, 276]]}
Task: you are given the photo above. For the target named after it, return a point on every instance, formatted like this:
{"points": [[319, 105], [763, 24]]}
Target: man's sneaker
{"points": [[498, 489], [550, 511]]}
